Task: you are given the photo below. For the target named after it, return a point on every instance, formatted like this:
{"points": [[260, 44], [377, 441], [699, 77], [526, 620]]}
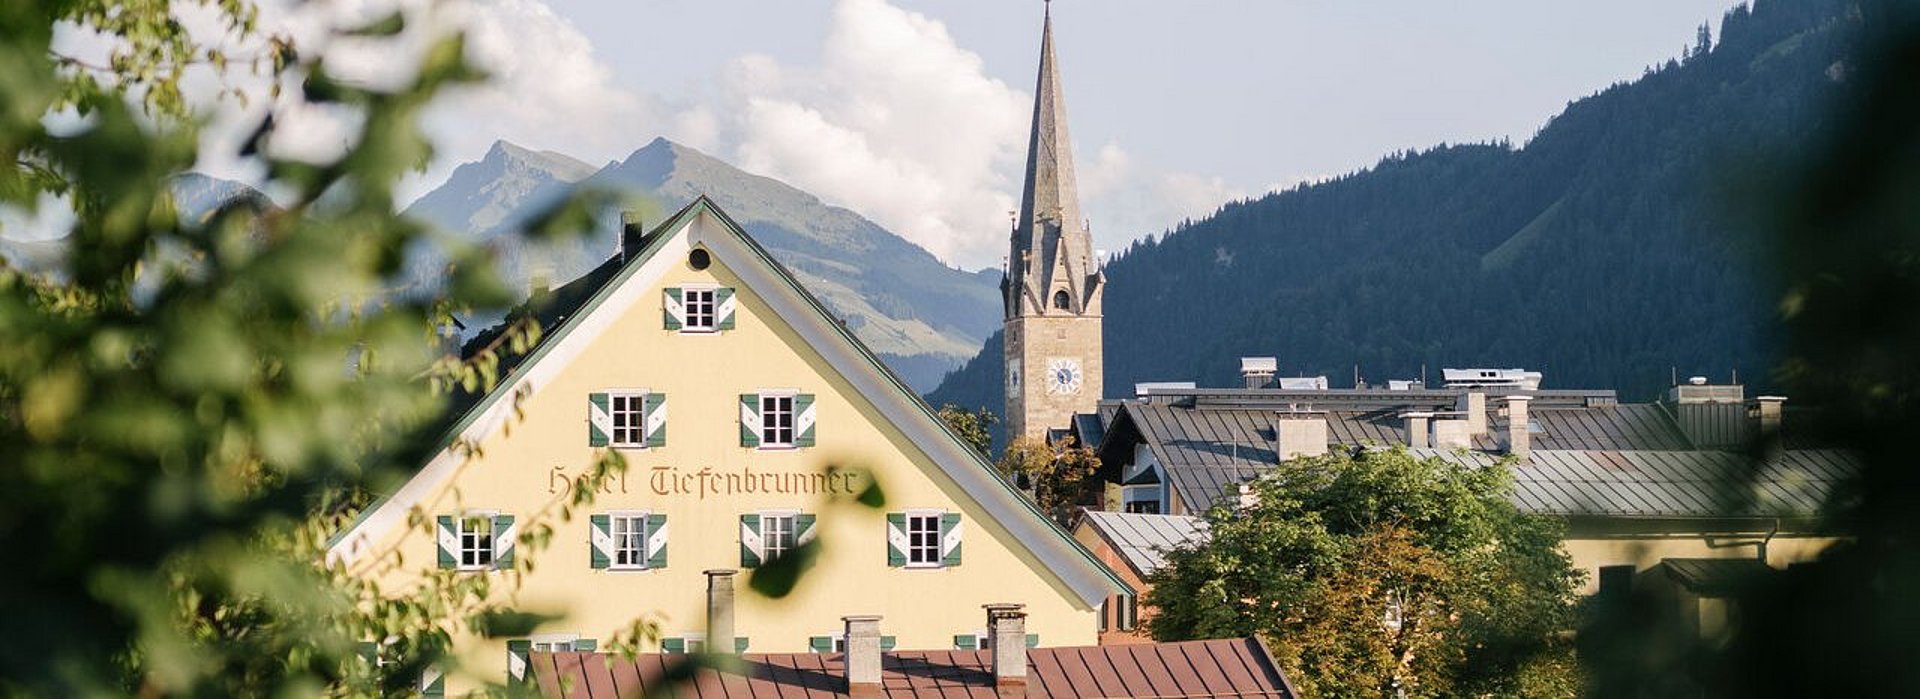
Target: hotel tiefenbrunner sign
{"points": [[706, 481]]}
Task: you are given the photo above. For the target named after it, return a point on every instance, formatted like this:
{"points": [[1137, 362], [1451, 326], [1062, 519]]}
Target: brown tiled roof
{"points": [[1217, 668]]}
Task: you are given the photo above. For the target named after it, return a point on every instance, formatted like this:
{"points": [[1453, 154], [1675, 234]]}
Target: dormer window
{"points": [[1062, 301]]}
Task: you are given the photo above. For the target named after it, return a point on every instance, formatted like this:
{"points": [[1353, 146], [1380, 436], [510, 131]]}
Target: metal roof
{"points": [[1670, 483], [1216, 668], [1143, 539]]}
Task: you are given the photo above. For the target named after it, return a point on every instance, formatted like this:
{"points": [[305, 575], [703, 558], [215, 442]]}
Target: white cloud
{"points": [[897, 122], [1127, 200]]}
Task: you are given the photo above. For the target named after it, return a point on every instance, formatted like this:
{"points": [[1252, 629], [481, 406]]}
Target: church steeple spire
{"points": [[1053, 284], [1051, 249]]}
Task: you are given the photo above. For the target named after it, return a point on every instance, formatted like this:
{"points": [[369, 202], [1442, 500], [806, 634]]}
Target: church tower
{"points": [[1053, 282]]}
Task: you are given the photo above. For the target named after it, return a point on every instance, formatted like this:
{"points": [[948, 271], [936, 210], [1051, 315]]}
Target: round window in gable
{"points": [[699, 259]]}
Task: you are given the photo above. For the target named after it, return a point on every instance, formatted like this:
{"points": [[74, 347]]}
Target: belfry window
{"points": [[1062, 301]]}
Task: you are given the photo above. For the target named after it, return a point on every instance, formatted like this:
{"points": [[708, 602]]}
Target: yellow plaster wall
{"points": [[703, 376], [1591, 554]]}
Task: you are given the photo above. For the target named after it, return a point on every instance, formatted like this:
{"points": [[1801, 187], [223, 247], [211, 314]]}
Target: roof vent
{"points": [[1697, 381], [1258, 371]]}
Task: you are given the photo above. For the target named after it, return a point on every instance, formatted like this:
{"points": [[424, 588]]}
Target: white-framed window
{"points": [[778, 534], [973, 641], [776, 420], [629, 532], [923, 539], [628, 409], [474, 530], [554, 642], [702, 309]]}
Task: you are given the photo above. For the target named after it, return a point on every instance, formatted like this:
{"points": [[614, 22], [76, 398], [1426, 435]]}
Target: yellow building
{"points": [[730, 392]]}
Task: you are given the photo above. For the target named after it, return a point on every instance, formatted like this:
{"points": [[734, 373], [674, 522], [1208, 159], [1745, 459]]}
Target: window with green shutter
{"points": [[620, 540], [723, 299], [433, 682], [750, 420], [676, 311], [599, 419], [950, 539], [699, 309], [504, 537], [474, 541], [519, 654], [656, 541], [656, 420], [896, 539], [673, 645], [824, 644], [750, 543]]}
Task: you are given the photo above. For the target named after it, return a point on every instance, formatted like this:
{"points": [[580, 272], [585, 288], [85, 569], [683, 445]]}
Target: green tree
{"points": [[188, 408], [1056, 476], [1379, 573], [975, 428]]}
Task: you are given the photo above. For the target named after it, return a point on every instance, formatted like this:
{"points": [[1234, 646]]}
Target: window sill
{"points": [[698, 331], [628, 569], [925, 566], [778, 447]]}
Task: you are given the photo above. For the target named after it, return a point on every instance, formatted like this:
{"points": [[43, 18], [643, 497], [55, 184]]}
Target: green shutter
{"points": [[886, 643], [950, 539], [585, 645], [896, 539], [519, 652], [447, 540], [600, 536], [504, 538], [676, 312], [656, 541], [599, 420], [656, 419], [803, 418], [802, 528], [723, 305], [739, 645], [433, 682], [751, 545], [966, 641], [673, 645], [820, 644], [750, 419], [1033, 640]]}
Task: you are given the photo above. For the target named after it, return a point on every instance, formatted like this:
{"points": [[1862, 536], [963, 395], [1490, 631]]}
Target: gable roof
{"points": [[826, 335], [1236, 667], [1142, 540]]}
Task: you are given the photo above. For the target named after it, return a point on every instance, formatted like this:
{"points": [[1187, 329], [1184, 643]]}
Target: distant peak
{"points": [[559, 165]]}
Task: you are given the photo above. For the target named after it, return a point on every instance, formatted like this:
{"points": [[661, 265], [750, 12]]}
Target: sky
{"points": [[915, 113]]}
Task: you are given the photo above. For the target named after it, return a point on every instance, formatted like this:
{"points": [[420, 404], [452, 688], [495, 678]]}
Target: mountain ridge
{"points": [[1621, 243]]}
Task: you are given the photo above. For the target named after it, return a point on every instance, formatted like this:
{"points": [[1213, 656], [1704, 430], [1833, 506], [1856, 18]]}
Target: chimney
{"points": [[1300, 434], [633, 234], [1770, 414], [1007, 640], [1417, 433], [863, 655], [720, 611], [1516, 438], [1258, 371], [1474, 404], [1451, 434]]}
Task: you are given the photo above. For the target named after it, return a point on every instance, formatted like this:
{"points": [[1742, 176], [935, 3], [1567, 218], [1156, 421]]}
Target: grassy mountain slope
{"points": [[1615, 245], [922, 317]]}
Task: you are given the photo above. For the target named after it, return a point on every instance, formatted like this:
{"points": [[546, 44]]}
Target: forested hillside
{"points": [[1618, 243]]}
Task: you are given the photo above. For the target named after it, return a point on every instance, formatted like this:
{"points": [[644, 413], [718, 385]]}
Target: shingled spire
{"points": [[1053, 285], [1052, 249]]}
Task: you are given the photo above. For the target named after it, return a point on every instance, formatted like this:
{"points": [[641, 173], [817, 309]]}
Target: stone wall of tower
{"points": [[1033, 343]]}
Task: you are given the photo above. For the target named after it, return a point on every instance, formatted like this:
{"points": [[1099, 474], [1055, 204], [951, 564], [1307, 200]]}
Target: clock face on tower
{"points": [[1063, 376]]}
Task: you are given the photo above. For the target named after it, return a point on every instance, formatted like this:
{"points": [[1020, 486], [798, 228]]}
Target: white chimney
{"points": [[1474, 404], [1514, 434], [863, 655], [1007, 641], [720, 611], [1258, 372], [1417, 430], [1771, 412], [1300, 434]]}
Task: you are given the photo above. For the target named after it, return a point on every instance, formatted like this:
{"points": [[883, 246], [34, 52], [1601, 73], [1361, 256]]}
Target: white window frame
{"points": [[711, 293], [637, 398], [693, 643], [791, 518], [766, 425], [490, 549], [546, 642], [980, 641], [613, 530], [922, 515]]}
